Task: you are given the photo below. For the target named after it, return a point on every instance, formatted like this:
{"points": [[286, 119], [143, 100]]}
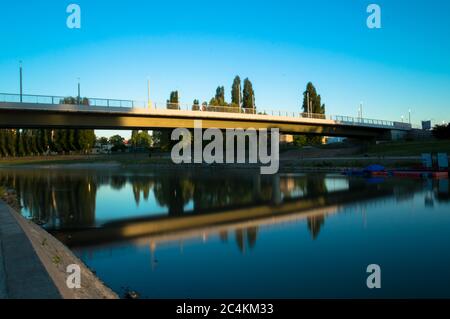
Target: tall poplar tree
{"points": [[236, 97], [248, 96]]}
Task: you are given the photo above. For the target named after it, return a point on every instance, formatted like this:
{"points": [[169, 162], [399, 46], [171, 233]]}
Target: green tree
{"points": [[248, 96], [236, 92], [66, 140], [441, 132], [60, 141], [118, 143], [173, 102], [86, 140], [20, 150], [72, 143], [3, 149], [42, 141], [316, 108], [161, 139], [220, 96], [116, 140], [141, 139], [25, 141], [196, 105], [11, 144], [74, 100], [300, 140]]}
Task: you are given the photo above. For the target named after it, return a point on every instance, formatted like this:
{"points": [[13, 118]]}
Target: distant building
{"points": [[426, 125], [286, 139], [99, 149]]}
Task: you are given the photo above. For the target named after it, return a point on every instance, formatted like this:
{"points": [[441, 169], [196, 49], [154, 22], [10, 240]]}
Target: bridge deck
{"points": [[25, 115]]}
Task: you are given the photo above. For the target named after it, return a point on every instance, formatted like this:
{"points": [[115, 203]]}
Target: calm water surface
{"points": [[217, 234]]}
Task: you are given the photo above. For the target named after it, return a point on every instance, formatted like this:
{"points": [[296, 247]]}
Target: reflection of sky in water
{"points": [[113, 204], [336, 184], [408, 240]]}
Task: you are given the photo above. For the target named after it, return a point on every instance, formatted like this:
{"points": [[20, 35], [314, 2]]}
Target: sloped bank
{"points": [[45, 257]]}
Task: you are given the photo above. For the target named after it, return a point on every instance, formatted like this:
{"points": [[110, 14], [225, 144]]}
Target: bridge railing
{"points": [[361, 121], [55, 100], [101, 102]]}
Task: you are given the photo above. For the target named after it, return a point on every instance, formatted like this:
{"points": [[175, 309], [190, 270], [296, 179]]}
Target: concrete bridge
{"points": [[36, 111]]}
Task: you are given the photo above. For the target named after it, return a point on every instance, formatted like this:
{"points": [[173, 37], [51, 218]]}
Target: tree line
{"points": [[244, 98], [31, 142], [442, 132]]}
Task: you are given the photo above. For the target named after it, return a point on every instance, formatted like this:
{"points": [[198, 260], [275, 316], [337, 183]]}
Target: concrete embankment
{"points": [[33, 263]]}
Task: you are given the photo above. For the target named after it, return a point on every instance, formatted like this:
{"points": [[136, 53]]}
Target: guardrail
{"points": [[101, 102]]}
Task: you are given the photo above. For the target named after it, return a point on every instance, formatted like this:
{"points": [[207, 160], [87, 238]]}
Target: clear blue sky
{"points": [[194, 46]]}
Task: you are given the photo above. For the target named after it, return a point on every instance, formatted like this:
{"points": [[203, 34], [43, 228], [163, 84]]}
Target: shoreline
{"points": [[54, 257], [329, 164]]}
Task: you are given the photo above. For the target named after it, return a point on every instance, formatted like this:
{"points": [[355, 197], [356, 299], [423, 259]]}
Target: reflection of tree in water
{"points": [[174, 192], [249, 234], [141, 184], [227, 191], [66, 200], [118, 182], [315, 224], [292, 187], [316, 186]]}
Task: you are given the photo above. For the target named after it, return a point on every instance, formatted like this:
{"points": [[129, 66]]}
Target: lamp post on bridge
{"points": [[361, 110], [21, 82]]}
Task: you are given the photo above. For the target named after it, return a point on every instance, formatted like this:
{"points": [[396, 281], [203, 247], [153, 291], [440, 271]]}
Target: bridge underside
{"points": [[54, 118]]}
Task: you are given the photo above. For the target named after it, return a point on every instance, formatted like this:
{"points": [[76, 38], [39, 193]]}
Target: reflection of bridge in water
{"points": [[153, 230], [188, 203]]}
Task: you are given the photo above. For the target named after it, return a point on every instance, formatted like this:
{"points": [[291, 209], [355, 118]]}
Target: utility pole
{"points": [[21, 83]]}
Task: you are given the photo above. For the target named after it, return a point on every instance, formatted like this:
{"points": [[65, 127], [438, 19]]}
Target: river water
{"points": [[213, 233]]}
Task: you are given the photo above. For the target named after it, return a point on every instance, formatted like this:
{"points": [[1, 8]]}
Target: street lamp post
{"points": [[361, 110], [21, 83]]}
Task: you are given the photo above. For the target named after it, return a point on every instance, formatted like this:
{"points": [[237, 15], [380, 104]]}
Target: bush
{"points": [[442, 132]]}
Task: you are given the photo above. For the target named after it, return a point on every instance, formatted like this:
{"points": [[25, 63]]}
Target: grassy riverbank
{"points": [[401, 154], [409, 148]]}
